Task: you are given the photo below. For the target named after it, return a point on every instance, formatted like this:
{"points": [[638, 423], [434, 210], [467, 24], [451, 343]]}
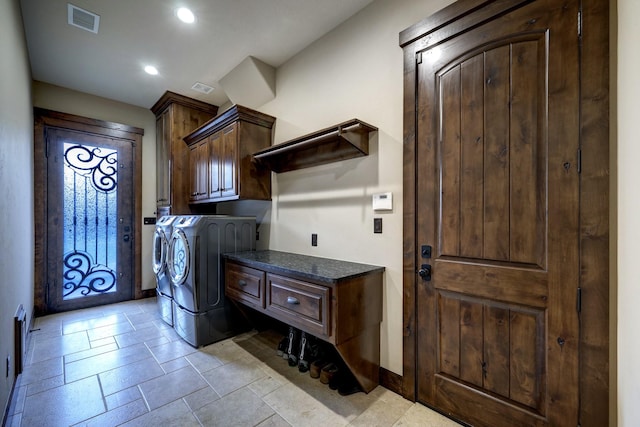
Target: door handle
{"points": [[425, 272]]}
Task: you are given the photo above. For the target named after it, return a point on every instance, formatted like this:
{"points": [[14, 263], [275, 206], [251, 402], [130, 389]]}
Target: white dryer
{"points": [[161, 236], [201, 314]]}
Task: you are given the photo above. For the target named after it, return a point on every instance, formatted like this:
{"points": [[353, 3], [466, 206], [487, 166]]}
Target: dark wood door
{"points": [[90, 219], [497, 189]]}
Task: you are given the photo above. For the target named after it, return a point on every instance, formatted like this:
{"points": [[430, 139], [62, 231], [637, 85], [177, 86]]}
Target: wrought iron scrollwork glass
{"points": [[90, 220]]}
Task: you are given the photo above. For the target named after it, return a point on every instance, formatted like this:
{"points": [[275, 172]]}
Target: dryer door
{"points": [[159, 250], [178, 259]]}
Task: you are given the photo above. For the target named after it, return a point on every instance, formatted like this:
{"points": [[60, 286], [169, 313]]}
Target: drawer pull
{"points": [[242, 283], [292, 300]]}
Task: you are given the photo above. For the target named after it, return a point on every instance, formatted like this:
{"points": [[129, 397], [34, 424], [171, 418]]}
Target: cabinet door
{"points": [[228, 161], [163, 158], [215, 160], [198, 171]]}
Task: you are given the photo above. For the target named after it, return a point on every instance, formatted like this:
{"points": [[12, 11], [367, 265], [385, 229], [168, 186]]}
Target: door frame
{"points": [[594, 190], [44, 119]]}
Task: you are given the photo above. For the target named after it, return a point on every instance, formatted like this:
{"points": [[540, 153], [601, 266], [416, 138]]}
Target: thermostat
{"points": [[383, 202]]}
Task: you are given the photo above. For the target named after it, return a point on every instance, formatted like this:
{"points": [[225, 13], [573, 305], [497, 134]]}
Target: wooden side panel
{"points": [[496, 156], [472, 156], [525, 356], [450, 158], [496, 350], [526, 232], [471, 342], [449, 336]]}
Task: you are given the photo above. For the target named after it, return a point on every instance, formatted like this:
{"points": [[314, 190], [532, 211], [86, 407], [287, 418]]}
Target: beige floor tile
{"points": [[96, 322], [64, 405], [300, 409], [47, 347], [122, 397], [49, 383], [90, 353], [176, 413], [172, 350], [274, 421], [105, 362], [200, 398], [110, 330], [240, 408], [39, 371], [117, 416], [172, 386], [203, 361], [126, 376], [175, 364], [150, 332], [234, 375], [384, 409], [102, 342], [421, 416]]}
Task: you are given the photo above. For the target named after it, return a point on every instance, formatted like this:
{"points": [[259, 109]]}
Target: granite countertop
{"points": [[310, 267]]}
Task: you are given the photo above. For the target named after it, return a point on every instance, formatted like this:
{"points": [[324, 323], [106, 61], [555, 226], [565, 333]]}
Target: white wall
{"points": [[68, 101], [628, 239], [16, 182], [354, 71]]}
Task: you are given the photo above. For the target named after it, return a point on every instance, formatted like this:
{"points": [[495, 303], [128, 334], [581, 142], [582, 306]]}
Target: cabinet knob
{"points": [[292, 300]]}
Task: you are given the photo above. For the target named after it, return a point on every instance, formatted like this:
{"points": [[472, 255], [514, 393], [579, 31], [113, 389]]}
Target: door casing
{"points": [[44, 119]]}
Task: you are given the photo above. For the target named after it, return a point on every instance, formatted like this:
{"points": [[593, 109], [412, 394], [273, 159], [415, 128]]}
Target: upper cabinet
{"points": [[231, 172], [340, 142], [176, 117]]}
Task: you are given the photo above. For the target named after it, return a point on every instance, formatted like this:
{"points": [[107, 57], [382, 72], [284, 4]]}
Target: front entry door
{"points": [[90, 205], [497, 190]]}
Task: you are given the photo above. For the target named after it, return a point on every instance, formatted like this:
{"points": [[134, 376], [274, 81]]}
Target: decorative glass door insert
{"points": [[90, 220]]}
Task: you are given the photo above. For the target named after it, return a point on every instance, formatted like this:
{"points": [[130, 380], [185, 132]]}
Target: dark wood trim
{"points": [[146, 293], [233, 114], [44, 118], [594, 191], [594, 215], [391, 381], [171, 97]]}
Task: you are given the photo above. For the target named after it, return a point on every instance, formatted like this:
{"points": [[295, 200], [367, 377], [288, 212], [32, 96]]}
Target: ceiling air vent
{"points": [[201, 87], [82, 18]]}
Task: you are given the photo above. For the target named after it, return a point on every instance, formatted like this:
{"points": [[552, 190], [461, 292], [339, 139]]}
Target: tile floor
{"points": [[121, 365]]}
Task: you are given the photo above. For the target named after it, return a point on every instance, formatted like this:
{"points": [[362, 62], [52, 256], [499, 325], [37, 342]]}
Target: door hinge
{"points": [[579, 300], [579, 160], [46, 294], [419, 58]]}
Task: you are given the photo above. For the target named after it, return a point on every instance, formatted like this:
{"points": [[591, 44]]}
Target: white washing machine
{"points": [[161, 236], [201, 314]]}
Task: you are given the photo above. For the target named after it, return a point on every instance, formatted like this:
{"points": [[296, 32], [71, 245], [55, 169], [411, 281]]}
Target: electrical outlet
{"points": [[314, 239]]}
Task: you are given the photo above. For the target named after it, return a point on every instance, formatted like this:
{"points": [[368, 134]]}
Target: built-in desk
{"points": [[337, 301]]}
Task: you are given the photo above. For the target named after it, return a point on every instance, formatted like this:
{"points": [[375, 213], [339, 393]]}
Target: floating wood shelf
{"points": [[341, 142]]}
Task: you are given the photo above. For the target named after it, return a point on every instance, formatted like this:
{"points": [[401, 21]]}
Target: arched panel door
{"points": [[497, 190]]}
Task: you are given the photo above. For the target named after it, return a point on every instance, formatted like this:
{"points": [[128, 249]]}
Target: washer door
{"points": [[178, 258], [159, 250]]}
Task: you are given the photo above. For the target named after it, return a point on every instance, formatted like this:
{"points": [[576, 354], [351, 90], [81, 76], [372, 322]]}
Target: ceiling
{"points": [[136, 33]]}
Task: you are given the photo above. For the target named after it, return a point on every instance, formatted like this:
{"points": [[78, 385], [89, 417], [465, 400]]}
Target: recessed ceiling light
{"points": [[185, 15], [150, 69]]}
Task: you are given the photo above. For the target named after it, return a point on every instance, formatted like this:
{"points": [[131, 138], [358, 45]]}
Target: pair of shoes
{"points": [[328, 372], [345, 383], [316, 367], [282, 346]]}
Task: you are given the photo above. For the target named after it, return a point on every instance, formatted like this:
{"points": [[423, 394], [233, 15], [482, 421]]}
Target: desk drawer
{"points": [[298, 303], [244, 284]]}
